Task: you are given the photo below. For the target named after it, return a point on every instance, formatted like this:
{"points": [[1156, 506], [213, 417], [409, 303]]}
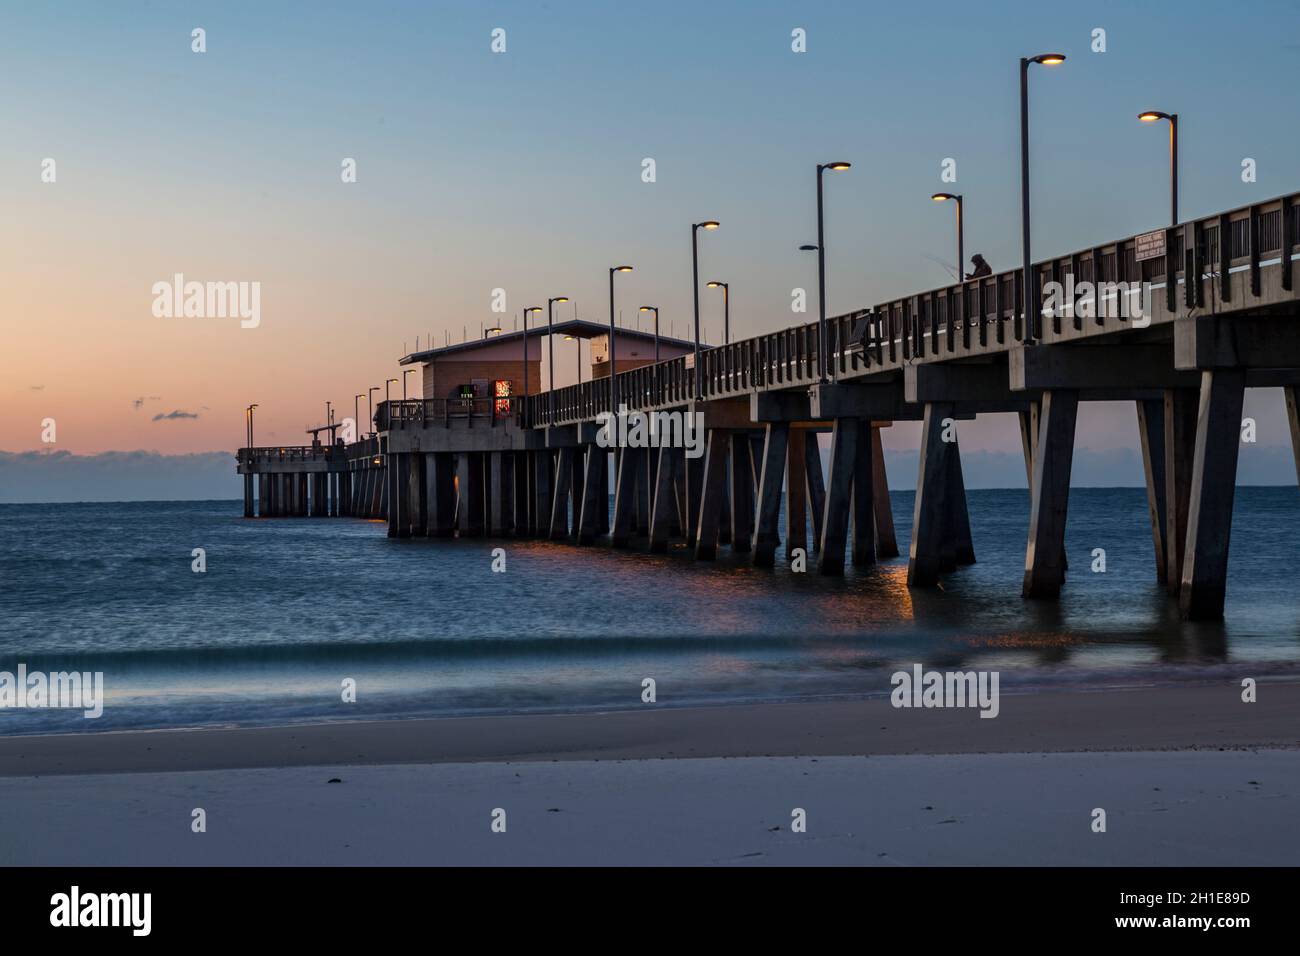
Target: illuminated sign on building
{"points": [[502, 390]]}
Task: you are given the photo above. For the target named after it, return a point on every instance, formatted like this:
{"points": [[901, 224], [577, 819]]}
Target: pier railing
{"points": [[286, 453], [986, 314], [972, 317], [426, 412], [362, 449], [968, 318], [774, 360]]}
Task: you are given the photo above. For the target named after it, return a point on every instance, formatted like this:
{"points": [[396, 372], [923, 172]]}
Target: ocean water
{"points": [[289, 608]]}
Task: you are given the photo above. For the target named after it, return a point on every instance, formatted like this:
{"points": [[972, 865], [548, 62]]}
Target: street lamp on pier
{"points": [[961, 242], [708, 224], [1043, 59], [823, 356], [550, 346], [531, 308], [726, 309], [613, 379], [1154, 116], [655, 310]]}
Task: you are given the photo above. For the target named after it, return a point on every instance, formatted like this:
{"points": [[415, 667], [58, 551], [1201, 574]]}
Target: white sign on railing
{"points": [[690, 359], [1150, 245]]}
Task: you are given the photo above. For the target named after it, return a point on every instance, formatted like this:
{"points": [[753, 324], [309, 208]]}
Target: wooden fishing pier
{"points": [[1223, 315]]}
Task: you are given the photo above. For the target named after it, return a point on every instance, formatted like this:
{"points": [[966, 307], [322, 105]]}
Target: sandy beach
{"points": [[1169, 717], [1164, 809], [713, 785]]}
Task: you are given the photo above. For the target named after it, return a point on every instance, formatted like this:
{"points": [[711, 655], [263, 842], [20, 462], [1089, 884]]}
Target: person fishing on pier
{"points": [[982, 268]]}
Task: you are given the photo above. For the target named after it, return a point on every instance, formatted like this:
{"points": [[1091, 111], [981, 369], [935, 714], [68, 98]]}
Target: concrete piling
{"points": [[883, 515], [1053, 455], [665, 502], [742, 494], [1213, 481], [770, 474], [712, 489]]}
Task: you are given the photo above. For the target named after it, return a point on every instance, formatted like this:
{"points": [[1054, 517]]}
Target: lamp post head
{"points": [[707, 224], [559, 298], [808, 247], [648, 308], [1048, 59], [834, 167], [533, 308], [941, 197], [1152, 116], [717, 285], [620, 269], [393, 380]]}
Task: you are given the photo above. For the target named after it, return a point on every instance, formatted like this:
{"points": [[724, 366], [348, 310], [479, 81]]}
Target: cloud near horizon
{"points": [[60, 476], [174, 415]]}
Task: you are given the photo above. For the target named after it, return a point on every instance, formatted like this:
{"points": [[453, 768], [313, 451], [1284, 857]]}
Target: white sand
{"points": [[1164, 808], [1191, 716]]}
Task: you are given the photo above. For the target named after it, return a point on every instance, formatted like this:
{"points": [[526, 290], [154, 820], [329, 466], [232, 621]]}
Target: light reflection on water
{"points": [[288, 608]]}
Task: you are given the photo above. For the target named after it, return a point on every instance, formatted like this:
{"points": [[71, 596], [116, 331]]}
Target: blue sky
{"points": [[522, 171]]}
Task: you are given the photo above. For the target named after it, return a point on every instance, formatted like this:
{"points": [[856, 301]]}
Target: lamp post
{"points": [[370, 399], [356, 413], [406, 372], [574, 338], [695, 293], [808, 247], [655, 373], [726, 309], [655, 310], [387, 401], [613, 384], [550, 346], [249, 411], [531, 308], [961, 241], [1043, 59], [822, 344], [1153, 116]]}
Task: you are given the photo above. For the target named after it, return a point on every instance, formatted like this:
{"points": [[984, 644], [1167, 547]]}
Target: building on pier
{"points": [[510, 363]]}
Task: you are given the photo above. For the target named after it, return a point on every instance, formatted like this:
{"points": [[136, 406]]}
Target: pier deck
{"points": [[1221, 313]]}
